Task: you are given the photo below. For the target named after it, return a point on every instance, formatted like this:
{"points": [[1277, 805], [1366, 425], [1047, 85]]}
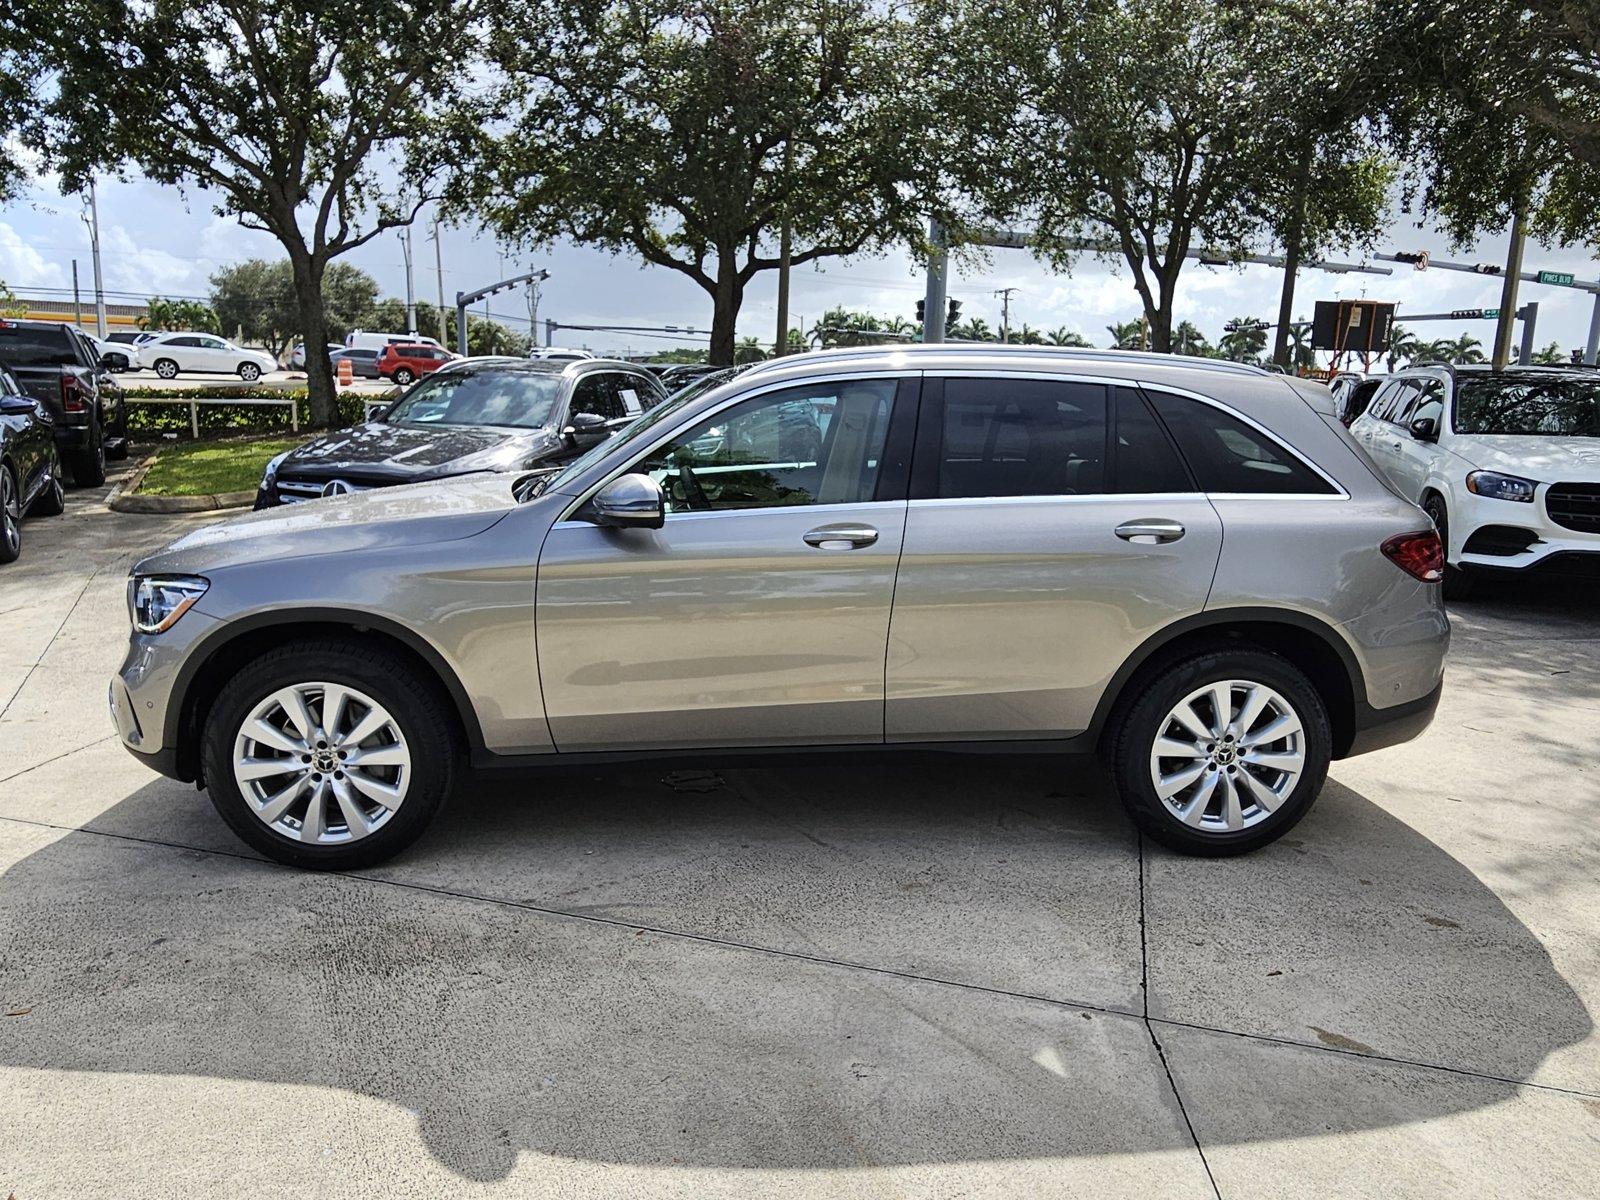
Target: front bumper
{"points": [[1479, 524], [143, 691]]}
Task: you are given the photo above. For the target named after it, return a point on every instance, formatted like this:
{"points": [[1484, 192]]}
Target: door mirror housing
{"points": [[378, 412], [17, 406], [585, 426], [630, 502], [1425, 429]]}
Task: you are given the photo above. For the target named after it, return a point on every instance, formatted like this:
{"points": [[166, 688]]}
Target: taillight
{"points": [[1420, 555], [72, 397]]}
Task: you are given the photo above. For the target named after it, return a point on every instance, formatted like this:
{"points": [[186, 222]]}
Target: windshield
{"points": [[639, 426], [522, 401], [1563, 407]]}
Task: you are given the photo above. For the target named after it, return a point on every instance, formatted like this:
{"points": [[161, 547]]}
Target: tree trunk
{"points": [[308, 272], [1160, 317], [725, 302], [1292, 245]]}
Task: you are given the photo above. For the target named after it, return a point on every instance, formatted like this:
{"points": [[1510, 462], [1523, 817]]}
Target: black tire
{"points": [[416, 706], [403, 376], [249, 372], [89, 464], [52, 501], [1144, 719], [1458, 584], [10, 515], [166, 368]]}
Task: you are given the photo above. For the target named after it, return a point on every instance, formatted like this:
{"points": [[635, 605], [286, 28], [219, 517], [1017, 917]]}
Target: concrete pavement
{"points": [[969, 979]]}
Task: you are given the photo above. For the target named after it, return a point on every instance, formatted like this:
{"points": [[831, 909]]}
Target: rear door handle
{"points": [[1150, 531], [843, 536]]}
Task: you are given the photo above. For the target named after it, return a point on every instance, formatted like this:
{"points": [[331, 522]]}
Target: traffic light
{"points": [[922, 311], [1417, 258], [1487, 268], [954, 316]]}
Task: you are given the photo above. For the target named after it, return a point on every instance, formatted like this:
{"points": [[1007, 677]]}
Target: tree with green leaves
{"points": [[258, 297], [689, 135], [1245, 342], [1129, 335], [9, 307], [1187, 339], [1404, 346], [1062, 336], [1551, 356], [168, 315], [974, 329], [16, 81], [300, 116]]}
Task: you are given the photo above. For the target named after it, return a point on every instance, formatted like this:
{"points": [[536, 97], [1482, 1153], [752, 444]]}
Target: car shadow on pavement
{"points": [[644, 967]]}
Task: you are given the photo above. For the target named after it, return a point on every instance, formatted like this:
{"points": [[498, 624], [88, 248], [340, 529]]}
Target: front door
{"points": [[1053, 527], [759, 614]]}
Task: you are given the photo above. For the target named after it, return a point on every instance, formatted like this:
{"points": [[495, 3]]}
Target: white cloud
{"points": [[132, 267], [22, 266]]}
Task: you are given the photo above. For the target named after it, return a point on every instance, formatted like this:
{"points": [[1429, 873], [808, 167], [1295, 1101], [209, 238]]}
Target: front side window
{"points": [[479, 398], [595, 394], [1227, 455], [819, 443]]}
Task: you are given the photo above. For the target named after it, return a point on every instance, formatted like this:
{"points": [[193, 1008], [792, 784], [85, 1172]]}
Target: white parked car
{"points": [[1506, 463], [558, 354], [169, 353], [380, 341], [119, 356]]}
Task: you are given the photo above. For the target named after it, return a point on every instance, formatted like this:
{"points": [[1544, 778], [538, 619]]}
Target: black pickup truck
{"points": [[57, 365]]}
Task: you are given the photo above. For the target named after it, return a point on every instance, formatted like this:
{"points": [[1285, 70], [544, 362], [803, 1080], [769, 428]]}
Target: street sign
{"points": [[1559, 278], [1492, 313]]}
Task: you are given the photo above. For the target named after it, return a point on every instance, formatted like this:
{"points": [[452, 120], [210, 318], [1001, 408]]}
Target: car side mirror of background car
{"points": [[378, 412], [630, 502], [17, 406], [586, 426], [1425, 429]]}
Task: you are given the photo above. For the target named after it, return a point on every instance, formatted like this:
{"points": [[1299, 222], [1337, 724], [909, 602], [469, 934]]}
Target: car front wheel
{"points": [[330, 755], [166, 368], [52, 501], [10, 517], [1223, 752], [249, 372]]}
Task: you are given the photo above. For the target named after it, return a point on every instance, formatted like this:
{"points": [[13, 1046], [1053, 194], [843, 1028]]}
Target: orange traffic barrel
{"points": [[347, 373]]}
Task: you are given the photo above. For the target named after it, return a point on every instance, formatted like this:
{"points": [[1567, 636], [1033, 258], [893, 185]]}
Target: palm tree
{"points": [[1302, 354], [1062, 336], [974, 329], [1551, 356], [1466, 349], [1128, 335], [1028, 336], [1245, 342], [1187, 339], [1403, 344], [749, 350]]}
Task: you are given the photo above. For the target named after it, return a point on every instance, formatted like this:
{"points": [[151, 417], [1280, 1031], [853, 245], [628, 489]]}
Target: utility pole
{"points": [[1005, 313], [1508, 294], [533, 308], [77, 301], [781, 347], [94, 250], [936, 293], [411, 291], [438, 268]]}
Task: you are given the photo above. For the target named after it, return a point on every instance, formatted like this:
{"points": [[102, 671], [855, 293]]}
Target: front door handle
{"points": [[1150, 531], [843, 536]]}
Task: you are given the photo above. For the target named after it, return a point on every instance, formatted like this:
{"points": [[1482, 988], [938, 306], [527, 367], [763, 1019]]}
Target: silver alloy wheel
{"points": [[166, 368], [321, 763], [1227, 756], [10, 512]]}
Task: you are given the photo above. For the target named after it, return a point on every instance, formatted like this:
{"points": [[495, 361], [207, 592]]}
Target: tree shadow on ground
{"points": [[595, 1036]]}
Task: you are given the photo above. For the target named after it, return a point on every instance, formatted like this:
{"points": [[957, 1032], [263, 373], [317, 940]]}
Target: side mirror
{"points": [[17, 406], [630, 502], [1425, 429], [108, 361], [378, 412], [586, 426]]}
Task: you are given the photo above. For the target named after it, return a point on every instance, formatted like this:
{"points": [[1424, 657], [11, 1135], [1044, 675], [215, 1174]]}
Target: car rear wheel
{"points": [[1458, 584], [166, 368], [10, 516], [329, 755], [52, 501], [1222, 753], [403, 376], [249, 372], [89, 463]]}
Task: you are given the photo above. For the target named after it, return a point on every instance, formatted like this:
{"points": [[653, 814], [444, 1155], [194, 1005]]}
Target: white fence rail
{"points": [[194, 404]]}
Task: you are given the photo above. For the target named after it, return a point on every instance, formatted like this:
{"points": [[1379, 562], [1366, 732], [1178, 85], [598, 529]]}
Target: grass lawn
{"points": [[202, 468]]}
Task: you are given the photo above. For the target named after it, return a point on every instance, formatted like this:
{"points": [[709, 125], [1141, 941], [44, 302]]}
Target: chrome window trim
{"points": [[566, 523], [585, 494]]}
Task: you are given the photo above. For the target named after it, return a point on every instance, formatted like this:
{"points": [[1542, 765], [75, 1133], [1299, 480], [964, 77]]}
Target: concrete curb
{"points": [[124, 497]]}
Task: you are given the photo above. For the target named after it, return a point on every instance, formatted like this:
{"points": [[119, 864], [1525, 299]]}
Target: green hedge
{"points": [[155, 420]]}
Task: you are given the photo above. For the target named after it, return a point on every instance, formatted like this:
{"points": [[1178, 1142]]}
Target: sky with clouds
{"points": [[158, 240]]}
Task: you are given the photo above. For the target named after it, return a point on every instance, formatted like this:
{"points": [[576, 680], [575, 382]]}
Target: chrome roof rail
{"points": [[995, 349]]}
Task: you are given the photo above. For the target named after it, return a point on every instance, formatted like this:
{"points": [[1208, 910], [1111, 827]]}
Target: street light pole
{"points": [[438, 268], [94, 250], [411, 292], [781, 347], [1005, 313]]}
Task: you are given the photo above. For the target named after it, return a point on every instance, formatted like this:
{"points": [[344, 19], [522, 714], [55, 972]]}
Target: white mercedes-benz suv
{"points": [[1506, 463]]}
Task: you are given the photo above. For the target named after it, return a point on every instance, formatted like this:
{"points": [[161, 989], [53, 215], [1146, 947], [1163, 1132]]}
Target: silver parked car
{"points": [[1183, 565]]}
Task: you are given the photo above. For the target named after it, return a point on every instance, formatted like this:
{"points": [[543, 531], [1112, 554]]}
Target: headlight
{"points": [[1501, 487], [155, 602], [271, 473]]}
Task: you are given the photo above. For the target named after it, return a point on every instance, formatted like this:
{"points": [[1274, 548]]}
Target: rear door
{"points": [[1052, 527], [759, 613]]}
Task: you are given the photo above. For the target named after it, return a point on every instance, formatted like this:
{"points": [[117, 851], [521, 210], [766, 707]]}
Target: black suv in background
{"points": [[58, 366]]}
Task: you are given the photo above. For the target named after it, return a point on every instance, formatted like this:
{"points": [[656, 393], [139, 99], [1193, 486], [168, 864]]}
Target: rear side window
{"points": [[36, 345], [1021, 437], [1226, 455], [1142, 457]]}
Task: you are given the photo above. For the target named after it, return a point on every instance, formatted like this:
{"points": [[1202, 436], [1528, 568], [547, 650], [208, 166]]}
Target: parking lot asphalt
{"points": [[963, 979]]}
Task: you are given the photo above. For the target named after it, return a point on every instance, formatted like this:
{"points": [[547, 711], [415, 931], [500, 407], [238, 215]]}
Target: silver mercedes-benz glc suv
{"points": [[1180, 563]]}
